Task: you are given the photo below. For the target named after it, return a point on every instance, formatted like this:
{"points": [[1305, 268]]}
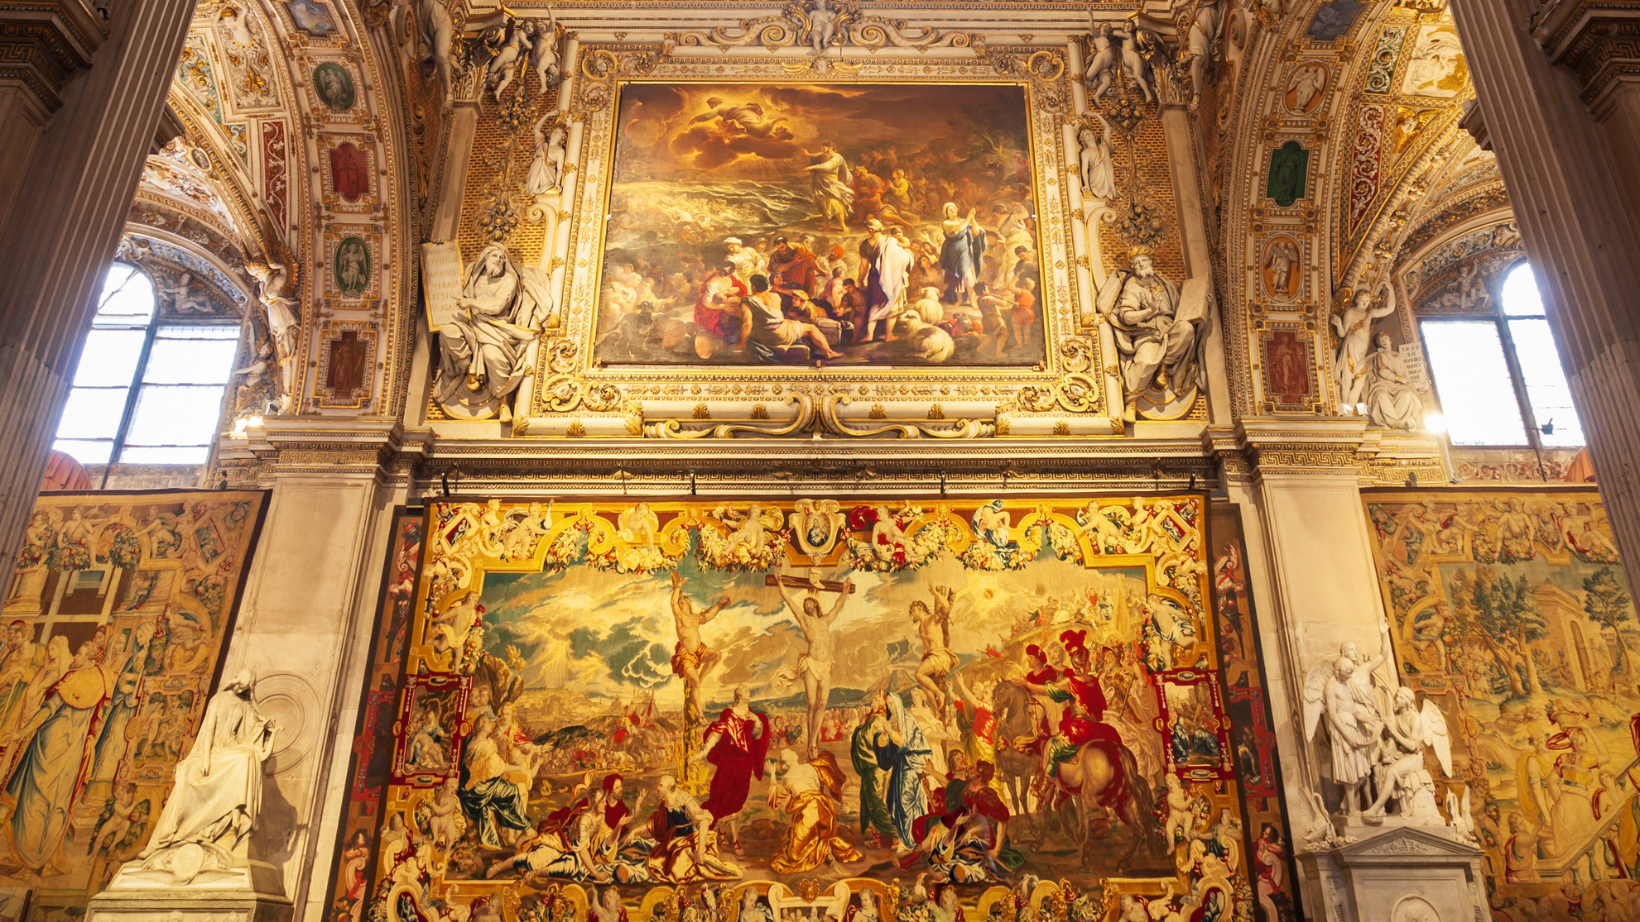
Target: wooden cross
{"points": [[798, 582]]}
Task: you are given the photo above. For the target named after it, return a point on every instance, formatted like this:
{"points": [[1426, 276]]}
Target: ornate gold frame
{"points": [[574, 395]]}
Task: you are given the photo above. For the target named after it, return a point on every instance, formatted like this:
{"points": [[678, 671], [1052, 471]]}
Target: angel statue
{"points": [[485, 350], [1401, 773], [544, 52], [547, 169], [1346, 691]]}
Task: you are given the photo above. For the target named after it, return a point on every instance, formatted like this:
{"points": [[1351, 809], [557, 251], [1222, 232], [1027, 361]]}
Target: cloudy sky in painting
{"points": [[660, 138], [612, 634]]}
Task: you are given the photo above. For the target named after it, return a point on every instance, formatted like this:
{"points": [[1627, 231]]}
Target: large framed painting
{"points": [[1510, 609], [874, 245], [835, 224], [117, 617], [865, 709]]}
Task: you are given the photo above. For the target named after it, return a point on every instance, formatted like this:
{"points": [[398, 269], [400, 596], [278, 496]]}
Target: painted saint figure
{"points": [[960, 254], [735, 744]]}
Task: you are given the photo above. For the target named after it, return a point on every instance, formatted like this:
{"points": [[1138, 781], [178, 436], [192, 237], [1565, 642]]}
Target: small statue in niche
{"points": [[547, 169], [218, 793]]}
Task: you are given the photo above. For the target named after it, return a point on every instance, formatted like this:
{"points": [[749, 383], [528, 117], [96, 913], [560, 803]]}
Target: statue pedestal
{"points": [[1396, 873], [242, 894]]}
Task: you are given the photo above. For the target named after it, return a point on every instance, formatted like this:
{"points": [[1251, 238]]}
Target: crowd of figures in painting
{"points": [[688, 709]]}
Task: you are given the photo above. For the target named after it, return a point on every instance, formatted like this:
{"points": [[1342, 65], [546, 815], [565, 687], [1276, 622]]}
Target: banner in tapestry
{"points": [[115, 624], [1509, 608], [900, 710]]}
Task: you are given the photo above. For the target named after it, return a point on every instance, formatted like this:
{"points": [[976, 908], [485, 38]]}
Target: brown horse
{"points": [[1090, 774], [1015, 768]]}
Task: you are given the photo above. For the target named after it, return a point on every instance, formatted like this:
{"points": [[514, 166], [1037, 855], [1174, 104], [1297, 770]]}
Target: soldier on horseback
{"points": [[1083, 720]]}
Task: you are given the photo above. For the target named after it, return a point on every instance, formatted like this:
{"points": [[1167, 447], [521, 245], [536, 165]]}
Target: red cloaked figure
{"points": [[738, 756]]}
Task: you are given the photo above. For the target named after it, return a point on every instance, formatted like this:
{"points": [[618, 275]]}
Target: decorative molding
{"points": [[42, 42]]}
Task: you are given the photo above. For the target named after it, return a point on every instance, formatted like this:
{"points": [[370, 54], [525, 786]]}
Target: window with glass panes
{"points": [[1499, 376], [145, 391]]}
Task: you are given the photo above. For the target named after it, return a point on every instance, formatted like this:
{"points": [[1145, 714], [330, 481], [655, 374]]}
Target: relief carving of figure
{"points": [[1097, 166], [547, 169], [435, 31], [544, 52], [484, 350]]}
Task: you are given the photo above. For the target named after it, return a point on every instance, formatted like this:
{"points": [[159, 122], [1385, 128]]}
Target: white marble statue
{"points": [[544, 52], [1391, 396], [547, 169], [822, 26], [1345, 691], [1202, 43], [484, 351], [504, 66], [1103, 59], [435, 32], [218, 792], [1353, 323], [1136, 42], [1097, 165], [1156, 342], [1400, 772]]}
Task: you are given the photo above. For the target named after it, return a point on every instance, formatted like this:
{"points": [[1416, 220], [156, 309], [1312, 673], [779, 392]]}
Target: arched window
{"points": [[1498, 374], [147, 391]]}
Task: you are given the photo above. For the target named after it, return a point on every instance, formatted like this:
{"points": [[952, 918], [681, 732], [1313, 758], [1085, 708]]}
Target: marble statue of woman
{"points": [[547, 170], [218, 792], [1098, 169], [483, 352], [1392, 399]]}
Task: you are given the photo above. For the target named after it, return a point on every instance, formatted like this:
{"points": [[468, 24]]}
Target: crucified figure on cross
{"points": [[815, 664]]}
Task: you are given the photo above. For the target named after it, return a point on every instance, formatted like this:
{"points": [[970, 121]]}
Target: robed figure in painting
{"points": [[735, 743], [808, 792], [903, 752], [890, 270], [483, 349], [960, 254], [51, 758]]}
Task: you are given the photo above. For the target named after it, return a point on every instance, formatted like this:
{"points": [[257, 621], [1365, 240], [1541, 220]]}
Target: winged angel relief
{"points": [[797, 705], [1379, 736]]}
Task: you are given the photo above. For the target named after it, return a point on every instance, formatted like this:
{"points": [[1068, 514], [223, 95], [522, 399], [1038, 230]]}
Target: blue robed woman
{"points": [[960, 254], [903, 753]]}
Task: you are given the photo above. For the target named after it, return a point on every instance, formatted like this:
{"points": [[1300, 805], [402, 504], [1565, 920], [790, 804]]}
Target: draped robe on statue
{"points": [[219, 783]]}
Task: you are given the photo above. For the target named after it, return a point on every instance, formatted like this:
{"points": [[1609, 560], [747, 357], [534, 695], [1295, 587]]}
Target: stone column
{"points": [[1565, 176], [66, 185], [304, 627]]}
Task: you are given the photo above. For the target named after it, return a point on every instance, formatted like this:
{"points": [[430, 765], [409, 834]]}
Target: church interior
{"points": [[819, 461]]}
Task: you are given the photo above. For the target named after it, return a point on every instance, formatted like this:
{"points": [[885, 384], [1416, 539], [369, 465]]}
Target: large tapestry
{"points": [[115, 624], [887, 223], [763, 711], [1509, 608]]}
